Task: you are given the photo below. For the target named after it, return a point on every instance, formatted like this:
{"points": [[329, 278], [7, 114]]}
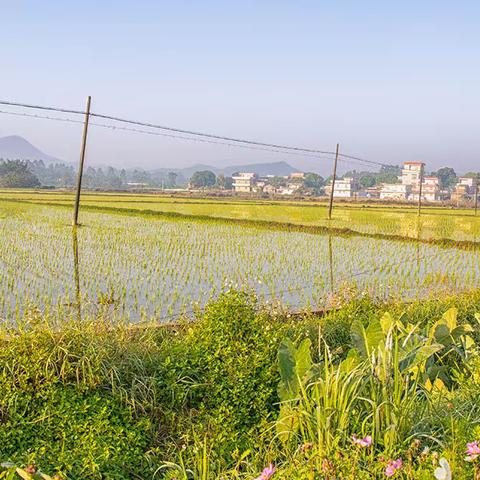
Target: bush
{"points": [[81, 433], [233, 355]]}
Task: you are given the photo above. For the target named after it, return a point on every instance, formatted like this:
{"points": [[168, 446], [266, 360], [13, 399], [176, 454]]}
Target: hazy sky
{"points": [[391, 81]]}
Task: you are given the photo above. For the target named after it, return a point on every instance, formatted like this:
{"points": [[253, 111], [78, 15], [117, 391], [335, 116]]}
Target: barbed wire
{"points": [[180, 137]]}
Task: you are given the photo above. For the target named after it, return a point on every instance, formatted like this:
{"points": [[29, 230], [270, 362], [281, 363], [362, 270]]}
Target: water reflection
{"points": [[330, 257], [76, 273]]}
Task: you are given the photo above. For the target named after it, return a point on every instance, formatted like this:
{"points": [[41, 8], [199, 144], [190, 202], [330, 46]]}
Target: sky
{"points": [[389, 81]]}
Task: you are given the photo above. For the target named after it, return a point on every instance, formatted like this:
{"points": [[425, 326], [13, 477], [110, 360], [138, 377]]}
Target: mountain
{"points": [[14, 147]]}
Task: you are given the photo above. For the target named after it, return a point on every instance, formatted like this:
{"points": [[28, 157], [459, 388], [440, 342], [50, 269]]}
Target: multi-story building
{"points": [[244, 182], [412, 172], [465, 188], [344, 188], [395, 191], [430, 188]]}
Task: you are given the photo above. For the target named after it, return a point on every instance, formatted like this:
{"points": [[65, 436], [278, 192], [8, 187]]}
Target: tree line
{"points": [[19, 173], [34, 173]]}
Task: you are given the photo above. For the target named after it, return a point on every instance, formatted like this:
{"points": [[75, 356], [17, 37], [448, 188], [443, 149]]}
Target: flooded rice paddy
{"points": [[136, 268]]}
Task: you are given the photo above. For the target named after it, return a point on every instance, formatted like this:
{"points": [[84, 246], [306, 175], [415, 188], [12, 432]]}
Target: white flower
{"points": [[443, 472]]}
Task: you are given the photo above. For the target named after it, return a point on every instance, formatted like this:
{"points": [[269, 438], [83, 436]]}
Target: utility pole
{"points": [[330, 206], [477, 180], [476, 193], [420, 191], [82, 160]]}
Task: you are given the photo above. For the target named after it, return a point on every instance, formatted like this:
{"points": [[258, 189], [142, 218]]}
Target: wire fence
{"points": [[186, 134]]}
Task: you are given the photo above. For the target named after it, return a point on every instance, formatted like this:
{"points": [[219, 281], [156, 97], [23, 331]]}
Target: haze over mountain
{"points": [[15, 146]]}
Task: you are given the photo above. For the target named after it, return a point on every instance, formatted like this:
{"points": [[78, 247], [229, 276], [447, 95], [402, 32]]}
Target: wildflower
{"points": [[362, 442], [30, 469], [393, 466], [306, 447], [267, 473], [424, 453], [327, 466], [415, 445], [473, 451], [443, 472]]}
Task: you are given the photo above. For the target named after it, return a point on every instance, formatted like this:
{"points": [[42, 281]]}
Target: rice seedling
{"points": [[142, 269]]}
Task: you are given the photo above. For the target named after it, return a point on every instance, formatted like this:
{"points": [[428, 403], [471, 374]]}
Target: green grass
{"points": [[100, 400]]}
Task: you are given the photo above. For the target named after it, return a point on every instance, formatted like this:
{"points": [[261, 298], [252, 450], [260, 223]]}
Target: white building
{"points": [[244, 182], [412, 172], [395, 191], [431, 188], [344, 188], [465, 188]]}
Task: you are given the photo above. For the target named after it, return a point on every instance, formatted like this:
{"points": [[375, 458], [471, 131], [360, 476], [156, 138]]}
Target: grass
{"points": [[205, 400]]}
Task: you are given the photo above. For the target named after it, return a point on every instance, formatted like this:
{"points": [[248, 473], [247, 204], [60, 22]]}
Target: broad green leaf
{"points": [[357, 332], [287, 423], [441, 333], [294, 364], [303, 358], [419, 356], [375, 335], [23, 474], [450, 317], [367, 339], [387, 322], [287, 388]]}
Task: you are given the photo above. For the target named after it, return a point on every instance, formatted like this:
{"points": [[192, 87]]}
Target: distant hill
{"points": [[14, 147]]}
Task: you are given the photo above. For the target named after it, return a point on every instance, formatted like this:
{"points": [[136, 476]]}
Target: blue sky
{"points": [[390, 81]]}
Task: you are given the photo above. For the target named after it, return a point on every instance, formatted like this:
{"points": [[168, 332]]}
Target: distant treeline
{"points": [[33, 173]]}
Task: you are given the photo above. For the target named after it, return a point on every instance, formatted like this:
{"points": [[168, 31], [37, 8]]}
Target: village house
{"points": [[431, 188], [412, 172], [344, 188], [395, 191], [464, 189], [244, 182]]}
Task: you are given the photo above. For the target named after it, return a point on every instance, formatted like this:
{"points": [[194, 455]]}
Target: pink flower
{"points": [[362, 442], [473, 451], [393, 466], [267, 473]]}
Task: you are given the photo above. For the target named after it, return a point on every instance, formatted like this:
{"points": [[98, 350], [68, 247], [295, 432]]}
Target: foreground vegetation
{"points": [[357, 393]]}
